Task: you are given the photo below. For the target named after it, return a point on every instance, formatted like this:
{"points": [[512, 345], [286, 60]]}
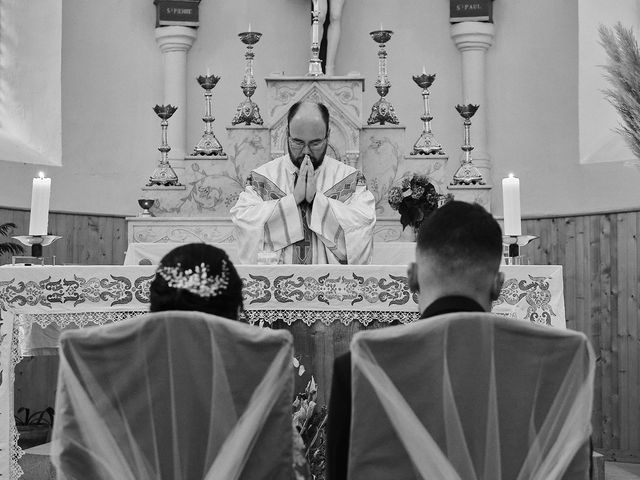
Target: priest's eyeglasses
{"points": [[298, 145]]}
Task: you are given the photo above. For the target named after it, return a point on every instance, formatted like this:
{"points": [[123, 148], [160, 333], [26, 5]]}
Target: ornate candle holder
{"points": [[467, 173], [208, 144], [36, 242], [163, 174], [513, 243], [248, 111], [382, 111], [315, 64], [426, 143]]}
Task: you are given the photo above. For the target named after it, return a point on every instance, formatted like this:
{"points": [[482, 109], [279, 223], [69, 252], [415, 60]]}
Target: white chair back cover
{"points": [[471, 396], [174, 395]]}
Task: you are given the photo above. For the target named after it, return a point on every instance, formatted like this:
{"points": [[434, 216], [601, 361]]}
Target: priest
{"points": [[306, 206]]}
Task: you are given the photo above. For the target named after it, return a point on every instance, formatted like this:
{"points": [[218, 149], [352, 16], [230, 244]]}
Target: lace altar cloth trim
{"points": [[260, 317], [15, 470], [308, 317], [80, 320]]}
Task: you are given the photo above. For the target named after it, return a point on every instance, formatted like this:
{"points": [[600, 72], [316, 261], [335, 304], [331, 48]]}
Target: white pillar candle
{"points": [[39, 218], [511, 205]]}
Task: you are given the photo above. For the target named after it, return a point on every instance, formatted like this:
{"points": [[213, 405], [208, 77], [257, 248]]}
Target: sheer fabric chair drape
{"points": [[174, 395], [471, 396]]}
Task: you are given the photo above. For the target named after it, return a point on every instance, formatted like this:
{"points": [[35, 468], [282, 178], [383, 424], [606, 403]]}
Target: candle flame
{"points": [[511, 175], [41, 174]]}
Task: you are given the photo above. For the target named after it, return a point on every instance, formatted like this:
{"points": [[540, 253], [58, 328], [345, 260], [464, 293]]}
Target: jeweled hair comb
{"points": [[196, 280]]}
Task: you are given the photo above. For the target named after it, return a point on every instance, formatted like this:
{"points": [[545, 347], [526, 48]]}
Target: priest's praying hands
{"points": [[305, 187]]}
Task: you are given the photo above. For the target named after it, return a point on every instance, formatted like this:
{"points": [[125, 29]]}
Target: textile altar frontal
{"points": [[310, 300]]}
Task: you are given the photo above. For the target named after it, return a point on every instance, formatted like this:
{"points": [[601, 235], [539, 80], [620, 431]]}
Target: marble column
{"points": [[473, 39], [174, 43]]}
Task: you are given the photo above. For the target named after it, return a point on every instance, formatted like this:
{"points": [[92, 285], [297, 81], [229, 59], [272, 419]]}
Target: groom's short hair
{"points": [[460, 236]]}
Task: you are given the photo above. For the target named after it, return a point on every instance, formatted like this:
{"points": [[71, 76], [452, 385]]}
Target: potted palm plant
{"points": [[9, 247], [33, 428]]}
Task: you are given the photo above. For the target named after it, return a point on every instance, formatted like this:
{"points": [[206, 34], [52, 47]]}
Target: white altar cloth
{"points": [[384, 253], [60, 296]]}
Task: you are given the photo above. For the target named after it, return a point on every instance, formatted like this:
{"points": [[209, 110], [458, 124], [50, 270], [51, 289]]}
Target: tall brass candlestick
{"points": [[315, 64], [208, 144], [426, 143], [163, 174], [382, 111], [467, 173], [248, 111]]}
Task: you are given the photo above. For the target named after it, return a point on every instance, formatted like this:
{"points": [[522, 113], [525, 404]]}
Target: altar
{"points": [[322, 305], [197, 210]]}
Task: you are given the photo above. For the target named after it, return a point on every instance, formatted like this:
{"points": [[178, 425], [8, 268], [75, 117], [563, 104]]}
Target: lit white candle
{"points": [[511, 205], [249, 28], [39, 219], [424, 70], [208, 72], [381, 26]]}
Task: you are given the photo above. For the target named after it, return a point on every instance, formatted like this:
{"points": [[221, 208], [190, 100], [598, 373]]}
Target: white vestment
{"points": [[336, 228]]}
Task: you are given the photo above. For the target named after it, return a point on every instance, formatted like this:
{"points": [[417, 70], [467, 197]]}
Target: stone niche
{"points": [[199, 210]]}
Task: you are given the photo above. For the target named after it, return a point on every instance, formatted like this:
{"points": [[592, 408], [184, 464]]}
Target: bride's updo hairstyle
{"points": [[199, 277]]}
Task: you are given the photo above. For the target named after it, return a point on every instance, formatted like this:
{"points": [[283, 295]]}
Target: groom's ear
{"points": [[412, 274], [498, 281]]}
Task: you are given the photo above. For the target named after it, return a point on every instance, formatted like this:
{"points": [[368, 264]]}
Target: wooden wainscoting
{"points": [[600, 254], [86, 239]]}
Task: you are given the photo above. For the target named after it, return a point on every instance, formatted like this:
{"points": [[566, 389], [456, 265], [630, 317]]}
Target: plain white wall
{"points": [[112, 77]]}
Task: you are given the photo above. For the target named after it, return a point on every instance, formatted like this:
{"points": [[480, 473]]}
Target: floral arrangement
{"points": [[309, 428], [415, 199], [623, 73], [310, 420]]}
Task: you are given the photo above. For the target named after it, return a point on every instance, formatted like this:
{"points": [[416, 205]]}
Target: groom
{"points": [[458, 255]]}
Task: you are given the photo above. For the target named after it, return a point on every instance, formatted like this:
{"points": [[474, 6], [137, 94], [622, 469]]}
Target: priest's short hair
{"points": [[324, 112]]}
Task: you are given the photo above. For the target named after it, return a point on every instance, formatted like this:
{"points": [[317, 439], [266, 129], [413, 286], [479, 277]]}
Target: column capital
{"points": [[472, 35], [175, 38]]}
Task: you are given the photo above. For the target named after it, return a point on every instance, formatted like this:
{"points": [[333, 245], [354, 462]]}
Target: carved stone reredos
{"points": [[341, 95]]}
